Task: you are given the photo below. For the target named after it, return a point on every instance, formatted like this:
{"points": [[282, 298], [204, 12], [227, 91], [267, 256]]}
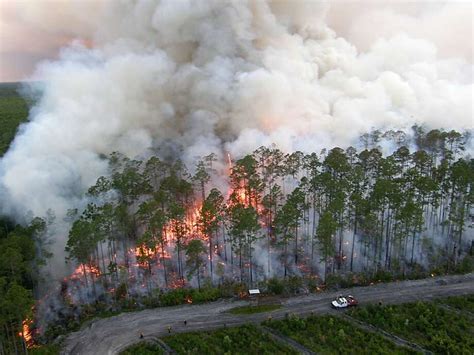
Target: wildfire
{"points": [[26, 332], [82, 269]]}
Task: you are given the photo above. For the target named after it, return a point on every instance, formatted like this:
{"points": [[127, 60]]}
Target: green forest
{"points": [[13, 111]]}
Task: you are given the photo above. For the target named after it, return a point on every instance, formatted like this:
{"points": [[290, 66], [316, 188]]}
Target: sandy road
{"points": [[111, 335]]}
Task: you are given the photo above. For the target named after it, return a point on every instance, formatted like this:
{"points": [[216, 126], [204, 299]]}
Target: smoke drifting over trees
{"points": [[213, 77], [162, 84]]}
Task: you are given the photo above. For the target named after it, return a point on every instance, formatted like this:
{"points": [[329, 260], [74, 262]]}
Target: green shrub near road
{"points": [[246, 339], [143, 348], [45, 350], [183, 295], [463, 303], [255, 309], [331, 335], [426, 324]]}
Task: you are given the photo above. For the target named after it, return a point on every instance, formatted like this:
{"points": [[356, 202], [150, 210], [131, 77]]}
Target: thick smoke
{"points": [[195, 77]]}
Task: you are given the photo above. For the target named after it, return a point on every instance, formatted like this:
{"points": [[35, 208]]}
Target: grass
{"points": [[13, 111], [254, 309], [331, 335], [463, 303], [424, 323], [50, 349], [246, 339], [143, 348]]}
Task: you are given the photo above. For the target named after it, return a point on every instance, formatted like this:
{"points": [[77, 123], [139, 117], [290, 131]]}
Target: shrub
{"points": [[331, 335], [466, 265], [245, 339], [275, 286], [294, 284], [143, 348], [423, 323]]}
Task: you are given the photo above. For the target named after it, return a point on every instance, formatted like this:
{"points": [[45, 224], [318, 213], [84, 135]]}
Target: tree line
{"points": [[23, 253], [284, 214]]}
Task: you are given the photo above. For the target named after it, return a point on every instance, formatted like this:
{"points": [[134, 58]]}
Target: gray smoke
{"points": [[223, 75]]}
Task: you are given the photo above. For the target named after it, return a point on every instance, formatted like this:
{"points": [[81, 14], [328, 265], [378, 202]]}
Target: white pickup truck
{"points": [[344, 302]]}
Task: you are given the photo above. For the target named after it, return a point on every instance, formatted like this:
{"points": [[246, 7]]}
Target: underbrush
{"points": [[426, 324], [462, 303], [51, 349], [143, 348], [331, 335], [246, 339], [255, 309]]}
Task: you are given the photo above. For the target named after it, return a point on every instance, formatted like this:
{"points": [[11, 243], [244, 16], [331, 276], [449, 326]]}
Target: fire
{"points": [[143, 253], [83, 268], [26, 332], [189, 300]]}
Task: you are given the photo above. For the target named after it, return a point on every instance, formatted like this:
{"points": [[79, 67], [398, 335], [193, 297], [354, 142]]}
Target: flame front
{"points": [[26, 332]]}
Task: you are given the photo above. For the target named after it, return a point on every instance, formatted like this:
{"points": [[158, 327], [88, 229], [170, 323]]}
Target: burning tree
{"points": [[304, 204]]}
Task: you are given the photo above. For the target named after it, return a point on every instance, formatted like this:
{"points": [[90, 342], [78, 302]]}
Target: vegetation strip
{"points": [[249, 309], [329, 334], [456, 311], [145, 347], [389, 336], [165, 346], [465, 304], [431, 326], [283, 339], [245, 339]]}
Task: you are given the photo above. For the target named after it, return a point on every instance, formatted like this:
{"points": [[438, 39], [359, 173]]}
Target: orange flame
{"points": [[26, 332], [89, 270]]}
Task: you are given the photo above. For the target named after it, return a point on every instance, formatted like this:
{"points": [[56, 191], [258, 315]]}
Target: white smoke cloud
{"points": [[216, 76]]}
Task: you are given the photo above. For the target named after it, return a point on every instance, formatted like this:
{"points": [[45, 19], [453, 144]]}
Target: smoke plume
{"points": [[195, 77]]}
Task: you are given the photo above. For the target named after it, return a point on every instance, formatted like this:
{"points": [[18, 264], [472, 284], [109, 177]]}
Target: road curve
{"points": [[111, 335]]}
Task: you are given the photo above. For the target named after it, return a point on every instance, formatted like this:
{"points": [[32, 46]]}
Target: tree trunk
{"points": [[199, 278], [225, 243], [163, 262], [250, 264], [296, 243], [210, 258], [353, 242]]}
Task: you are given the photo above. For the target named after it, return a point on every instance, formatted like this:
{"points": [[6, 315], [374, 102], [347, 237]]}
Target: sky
{"points": [[32, 31]]}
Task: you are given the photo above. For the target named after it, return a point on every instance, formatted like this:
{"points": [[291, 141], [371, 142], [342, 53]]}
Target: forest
{"points": [[154, 229], [154, 225]]}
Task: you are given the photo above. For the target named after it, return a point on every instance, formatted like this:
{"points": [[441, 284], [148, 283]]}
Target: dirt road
{"points": [[111, 335]]}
